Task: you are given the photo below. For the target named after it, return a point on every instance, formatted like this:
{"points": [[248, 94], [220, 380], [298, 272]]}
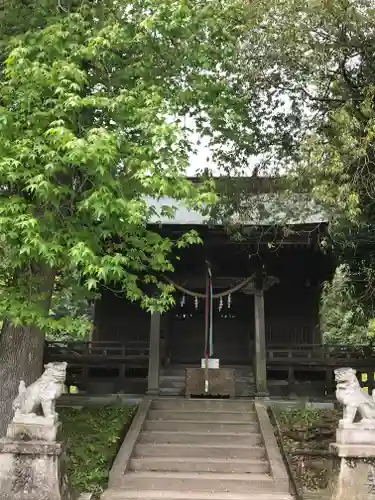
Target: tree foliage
{"points": [[310, 77], [343, 319], [72, 308], [93, 96]]}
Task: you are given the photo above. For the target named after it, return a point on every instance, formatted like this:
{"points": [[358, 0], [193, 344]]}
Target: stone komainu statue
{"points": [[43, 392], [353, 398]]}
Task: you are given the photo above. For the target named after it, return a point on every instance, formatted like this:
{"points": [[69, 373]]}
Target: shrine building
{"points": [[236, 298]]}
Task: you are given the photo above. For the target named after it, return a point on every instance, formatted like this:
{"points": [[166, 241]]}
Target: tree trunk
{"points": [[21, 358], [21, 354]]}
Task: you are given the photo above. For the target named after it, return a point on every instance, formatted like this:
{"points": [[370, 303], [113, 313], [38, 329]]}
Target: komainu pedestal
{"points": [[353, 477], [33, 470], [32, 462]]}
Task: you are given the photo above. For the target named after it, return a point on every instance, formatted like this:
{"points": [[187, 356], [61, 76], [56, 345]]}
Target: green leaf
{"points": [[93, 100]]}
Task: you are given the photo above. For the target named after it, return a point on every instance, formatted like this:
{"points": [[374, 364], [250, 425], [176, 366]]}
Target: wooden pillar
{"points": [[260, 344], [154, 355], [95, 330], [165, 320]]}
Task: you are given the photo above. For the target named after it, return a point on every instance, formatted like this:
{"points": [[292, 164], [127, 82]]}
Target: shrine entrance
{"points": [[213, 318], [233, 330]]}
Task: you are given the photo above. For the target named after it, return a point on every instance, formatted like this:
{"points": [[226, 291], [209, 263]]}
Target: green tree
{"points": [[310, 79], [93, 96], [343, 319]]}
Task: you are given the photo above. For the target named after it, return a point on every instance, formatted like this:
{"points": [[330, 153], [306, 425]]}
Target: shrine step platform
{"points": [[202, 449], [172, 381]]}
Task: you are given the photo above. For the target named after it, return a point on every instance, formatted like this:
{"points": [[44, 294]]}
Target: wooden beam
{"points": [[154, 355], [223, 283], [260, 344]]}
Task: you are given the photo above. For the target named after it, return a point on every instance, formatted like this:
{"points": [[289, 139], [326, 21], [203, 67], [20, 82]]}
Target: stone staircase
{"points": [[199, 449], [172, 381]]}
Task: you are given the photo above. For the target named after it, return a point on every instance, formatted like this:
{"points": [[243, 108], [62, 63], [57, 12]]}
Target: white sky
{"points": [[198, 161], [202, 158]]}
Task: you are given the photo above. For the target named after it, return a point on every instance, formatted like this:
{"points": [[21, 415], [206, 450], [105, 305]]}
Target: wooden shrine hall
{"points": [[235, 298]]}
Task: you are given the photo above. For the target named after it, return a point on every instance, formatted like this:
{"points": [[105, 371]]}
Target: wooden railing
{"points": [[319, 351], [289, 335], [101, 349], [322, 360], [126, 363], [114, 361]]}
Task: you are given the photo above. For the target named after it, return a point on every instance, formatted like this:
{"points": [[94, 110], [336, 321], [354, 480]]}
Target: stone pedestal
{"points": [[33, 470], [354, 479], [32, 463], [355, 437], [33, 427], [354, 466]]}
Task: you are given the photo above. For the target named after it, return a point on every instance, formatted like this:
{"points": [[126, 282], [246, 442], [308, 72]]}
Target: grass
{"points": [[93, 437], [309, 430]]}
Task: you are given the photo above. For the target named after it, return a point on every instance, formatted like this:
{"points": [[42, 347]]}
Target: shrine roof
{"points": [[262, 209]]}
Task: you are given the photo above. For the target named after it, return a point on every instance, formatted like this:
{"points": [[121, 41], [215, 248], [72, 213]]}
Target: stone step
{"points": [[247, 387], [178, 372], [182, 495], [171, 391], [327, 495], [172, 381], [175, 385], [317, 495], [232, 405], [244, 385], [175, 390], [197, 482], [168, 376], [216, 426], [172, 385], [197, 464], [234, 438], [206, 416], [201, 450]]}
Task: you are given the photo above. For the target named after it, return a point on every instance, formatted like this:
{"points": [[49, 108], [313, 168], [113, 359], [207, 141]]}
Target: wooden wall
{"points": [[117, 320], [291, 306], [292, 314]]}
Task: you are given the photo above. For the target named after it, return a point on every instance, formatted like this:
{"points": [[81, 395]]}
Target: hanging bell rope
{"points": [[209, 343], [214, 296]]}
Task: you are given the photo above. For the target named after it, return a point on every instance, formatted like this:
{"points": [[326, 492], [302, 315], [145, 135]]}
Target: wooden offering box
{"points": [[221, 382]]}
